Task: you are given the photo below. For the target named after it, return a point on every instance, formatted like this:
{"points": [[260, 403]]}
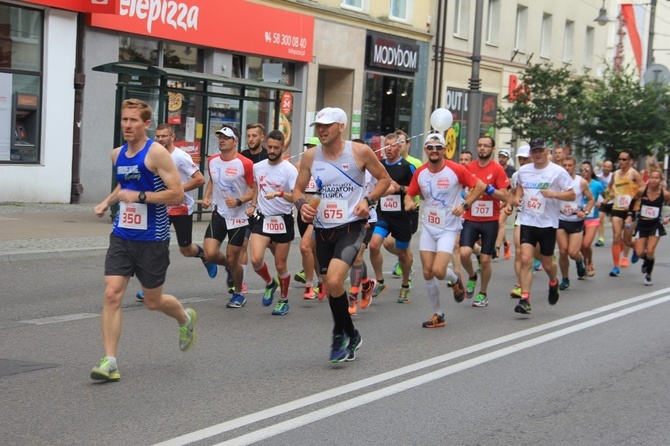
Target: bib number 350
{"points": [[133, 216]]}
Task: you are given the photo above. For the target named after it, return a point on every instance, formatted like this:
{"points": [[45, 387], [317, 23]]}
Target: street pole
{"points": [[475, 94], [650, 43]]}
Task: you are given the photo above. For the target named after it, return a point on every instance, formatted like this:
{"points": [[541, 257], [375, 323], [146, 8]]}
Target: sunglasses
{"points": [[430, 148]]}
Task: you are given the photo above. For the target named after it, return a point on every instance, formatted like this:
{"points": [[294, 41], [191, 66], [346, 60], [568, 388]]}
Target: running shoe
{"points": [[403, 298], [624, 262], [516, 292], [353, 304], [140, 295], [309, 293], [459, 292], [237, 301], [590, 271], [380, 287], [537, 265], [470, 287], [565, 284], [523, 307], [366, 293], [480, 301], [614, 272], [106, 371], [634, 258], [270, 292], [647, 280], [507, 250], [187, 331], [281, 308], [212, 269], [321, 291], [354, 344], [581, 269], [434, 322], [396, 271], [300, 277], [600, 242], [553, 293], [339, 351]]}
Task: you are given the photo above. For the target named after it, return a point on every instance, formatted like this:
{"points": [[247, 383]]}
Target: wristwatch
{"points": [[465, 206], [239, 202], [142, 197], [370, 201]]}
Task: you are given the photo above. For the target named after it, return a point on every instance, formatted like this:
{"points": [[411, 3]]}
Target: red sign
{"points": [[235, 25], [97, 6]]}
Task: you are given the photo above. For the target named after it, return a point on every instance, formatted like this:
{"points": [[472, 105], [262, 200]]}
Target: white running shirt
{"points": [[186, 168], [274, 178], [539, 211]]}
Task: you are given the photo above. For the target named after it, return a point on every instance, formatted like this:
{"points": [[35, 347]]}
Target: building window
{"points": [[545, 41], [401, 10], [568, 41], [493, 23], [21, 35], [521, 25], [462, 18], [588, 47], [355, 5]]}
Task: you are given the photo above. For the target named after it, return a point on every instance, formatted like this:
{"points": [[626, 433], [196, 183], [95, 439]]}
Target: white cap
{"points": [[523, 152], [435, 137], [503, 152], [227, 131], [330, 115]]}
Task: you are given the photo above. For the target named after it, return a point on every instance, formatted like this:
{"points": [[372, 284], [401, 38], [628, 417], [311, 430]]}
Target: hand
{"points": [[100, 209], [206, 202], [458, 210], [409, 207], [128, 196], [250, 211], [307, 213], [231, 202], [547, 193], [508, 209], [362, 209]]}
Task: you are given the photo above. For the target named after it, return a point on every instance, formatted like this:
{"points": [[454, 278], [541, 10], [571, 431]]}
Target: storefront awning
{"points": [[145, 70]]}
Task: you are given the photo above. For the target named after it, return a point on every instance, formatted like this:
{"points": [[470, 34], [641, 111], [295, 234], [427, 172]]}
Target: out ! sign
{"points": [[167, 12]]}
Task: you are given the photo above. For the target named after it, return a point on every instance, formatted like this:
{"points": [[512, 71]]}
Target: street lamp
{"points": [[602, 18]]}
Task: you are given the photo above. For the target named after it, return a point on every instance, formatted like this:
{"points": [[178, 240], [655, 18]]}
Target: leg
{"points": [[115, 288]]}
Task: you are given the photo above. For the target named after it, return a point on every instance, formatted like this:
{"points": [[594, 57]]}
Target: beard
{"points": [[273, 157], [485, 157]]}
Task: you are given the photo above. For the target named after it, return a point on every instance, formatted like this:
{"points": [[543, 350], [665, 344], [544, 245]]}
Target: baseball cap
{"points": [[227, 131], [503, 152], [523, 152], [330, 115], [313, 141], [538, 143], [435, 137]]}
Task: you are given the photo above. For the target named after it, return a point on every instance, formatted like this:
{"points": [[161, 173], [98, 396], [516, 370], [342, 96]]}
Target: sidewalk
{"points": [[39, 230]]}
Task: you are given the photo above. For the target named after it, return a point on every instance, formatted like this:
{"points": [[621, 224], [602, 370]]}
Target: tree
{"points": [[548, 104], [622, 113]]}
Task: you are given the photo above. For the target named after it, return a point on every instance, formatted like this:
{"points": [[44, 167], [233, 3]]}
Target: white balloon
{"points": [[441, 119]]}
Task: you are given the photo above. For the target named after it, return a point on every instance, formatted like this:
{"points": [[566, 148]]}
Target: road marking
{"points": [[360, 400], [57, 319]]}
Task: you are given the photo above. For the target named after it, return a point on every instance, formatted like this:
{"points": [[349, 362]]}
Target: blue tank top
{"points": [[133, 174]]}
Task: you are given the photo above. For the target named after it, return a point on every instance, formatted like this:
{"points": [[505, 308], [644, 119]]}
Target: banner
{"points": [[89, 6], [633, 19]]}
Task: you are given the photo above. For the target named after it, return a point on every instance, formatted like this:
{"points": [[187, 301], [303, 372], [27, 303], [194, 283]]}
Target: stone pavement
{"points": [[39, 230]]}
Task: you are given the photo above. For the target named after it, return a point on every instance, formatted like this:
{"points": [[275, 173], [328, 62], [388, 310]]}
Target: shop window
{"points": [[20, 83], [387, 107]]}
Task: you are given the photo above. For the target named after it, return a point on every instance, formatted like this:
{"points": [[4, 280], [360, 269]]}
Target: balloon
{"points": [[441, 119]]}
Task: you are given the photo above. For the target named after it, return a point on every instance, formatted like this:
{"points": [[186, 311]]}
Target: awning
{"points": [[145, 70]]}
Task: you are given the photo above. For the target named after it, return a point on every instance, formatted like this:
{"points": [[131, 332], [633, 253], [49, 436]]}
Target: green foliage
{"points": [[588, 114]]}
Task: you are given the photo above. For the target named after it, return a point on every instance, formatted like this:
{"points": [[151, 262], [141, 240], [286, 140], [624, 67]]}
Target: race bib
{"points": [[133, 215], [622, 201], [232, 223], [649, 211], [333, 211], [274, 225], [537, 203], [568, 207], [391, 203], [482, 208], [436, 217]]}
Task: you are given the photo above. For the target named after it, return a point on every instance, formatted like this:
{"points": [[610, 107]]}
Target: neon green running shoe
{"points": [[470, 287], [187, 332], [106, 371]]}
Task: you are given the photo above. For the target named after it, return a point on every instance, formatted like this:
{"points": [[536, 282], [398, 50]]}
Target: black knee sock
{"points": [[339, 307], [650, 266], [201, 253]]}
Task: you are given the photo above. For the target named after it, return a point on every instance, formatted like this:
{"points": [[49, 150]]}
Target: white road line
{"points": [[373, 380], [58, 319]]}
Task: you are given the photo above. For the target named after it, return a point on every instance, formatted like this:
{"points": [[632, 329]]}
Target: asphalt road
{"points": [[590, 370]]}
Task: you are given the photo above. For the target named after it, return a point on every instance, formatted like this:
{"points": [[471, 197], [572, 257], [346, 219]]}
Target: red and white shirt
{"points": [[487, 208]]}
